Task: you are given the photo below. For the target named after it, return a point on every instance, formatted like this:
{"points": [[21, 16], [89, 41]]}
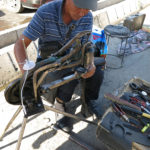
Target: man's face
{"points": [[75, 12]]}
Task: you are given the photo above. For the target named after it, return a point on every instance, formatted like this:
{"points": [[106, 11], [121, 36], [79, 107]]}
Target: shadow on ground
{"points": [[1, 13], [82, 136]]}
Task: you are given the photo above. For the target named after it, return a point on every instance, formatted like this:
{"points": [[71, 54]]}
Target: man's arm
{"points": [[33, 31], [19, 51]]}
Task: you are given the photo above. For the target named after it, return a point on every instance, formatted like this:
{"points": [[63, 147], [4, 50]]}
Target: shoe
{"points": [[86, 112], [95, 108], [62, 122]]}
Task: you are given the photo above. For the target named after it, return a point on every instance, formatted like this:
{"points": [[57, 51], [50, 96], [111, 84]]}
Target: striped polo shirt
{"points": [[47, 24]]}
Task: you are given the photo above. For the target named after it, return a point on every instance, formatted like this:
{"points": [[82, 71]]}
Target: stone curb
{"points": [[10, 36], [110, 15]]}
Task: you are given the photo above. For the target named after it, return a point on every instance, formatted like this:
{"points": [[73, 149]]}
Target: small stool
{"points": [[120, 32]]}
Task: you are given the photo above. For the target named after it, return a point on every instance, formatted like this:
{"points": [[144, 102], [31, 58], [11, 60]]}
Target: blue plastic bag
{"points": [[99, 36]]}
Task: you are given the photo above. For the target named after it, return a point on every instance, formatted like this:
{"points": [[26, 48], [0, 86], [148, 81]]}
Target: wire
{"points": [[26, 74]]}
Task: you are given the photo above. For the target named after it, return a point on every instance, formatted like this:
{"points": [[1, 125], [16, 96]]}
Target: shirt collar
{"points": [[60, 11]]}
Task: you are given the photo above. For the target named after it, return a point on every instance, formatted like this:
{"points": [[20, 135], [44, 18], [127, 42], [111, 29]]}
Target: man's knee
{"points": [[66, 91], [97, 78]]}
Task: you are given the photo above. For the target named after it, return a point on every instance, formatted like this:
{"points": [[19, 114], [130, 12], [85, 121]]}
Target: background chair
{"points": [[121, 32]]}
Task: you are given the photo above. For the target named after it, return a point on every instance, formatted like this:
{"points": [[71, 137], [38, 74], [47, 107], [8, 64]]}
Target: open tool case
{"points": [[122, 128]]}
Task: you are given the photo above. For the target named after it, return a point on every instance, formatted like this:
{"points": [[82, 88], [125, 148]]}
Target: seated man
{"points": [[55, 23]]}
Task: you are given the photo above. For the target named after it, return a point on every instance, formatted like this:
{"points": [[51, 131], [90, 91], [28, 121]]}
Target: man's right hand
{"points": [[20, 52], [90, 72]]}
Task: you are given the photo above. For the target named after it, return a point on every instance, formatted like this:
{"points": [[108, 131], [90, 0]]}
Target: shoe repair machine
{"points": [[27, 91]]}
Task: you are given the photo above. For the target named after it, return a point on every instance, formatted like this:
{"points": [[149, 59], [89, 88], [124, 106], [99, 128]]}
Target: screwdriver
{"points": [[135, 111]]}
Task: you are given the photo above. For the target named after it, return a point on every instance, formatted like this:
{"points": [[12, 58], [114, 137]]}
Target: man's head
{"points": [[79, 8]]}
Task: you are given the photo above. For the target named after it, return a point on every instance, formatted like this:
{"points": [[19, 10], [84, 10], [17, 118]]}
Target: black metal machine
{"points": [[27, 91]]}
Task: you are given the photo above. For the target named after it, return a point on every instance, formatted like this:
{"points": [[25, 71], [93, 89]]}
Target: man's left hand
{"points": [[90, 71]]}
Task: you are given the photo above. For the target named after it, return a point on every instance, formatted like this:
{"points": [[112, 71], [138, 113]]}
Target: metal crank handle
{"points": [[46, 87]]}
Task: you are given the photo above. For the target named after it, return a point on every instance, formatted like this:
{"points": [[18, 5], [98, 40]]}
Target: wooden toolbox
{"points": [[107, 135]]}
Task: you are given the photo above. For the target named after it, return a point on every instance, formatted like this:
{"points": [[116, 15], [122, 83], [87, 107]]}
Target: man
{"points": [[56, 23]]}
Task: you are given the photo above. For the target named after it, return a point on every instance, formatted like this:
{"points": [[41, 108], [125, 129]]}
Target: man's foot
{"points": [[95, 108], [62, 122]]}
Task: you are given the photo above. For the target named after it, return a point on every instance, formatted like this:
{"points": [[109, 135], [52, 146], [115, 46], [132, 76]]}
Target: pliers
{"points": [[138, 89]]}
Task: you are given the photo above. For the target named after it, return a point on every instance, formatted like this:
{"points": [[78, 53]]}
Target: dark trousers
{"points": [[92, 86], [65, 92]]}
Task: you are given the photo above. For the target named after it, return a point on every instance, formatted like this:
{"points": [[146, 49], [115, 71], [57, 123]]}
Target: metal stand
{"points": [[25, 121], [48, 66], [22, 127], [11, 121], [21, 133]]}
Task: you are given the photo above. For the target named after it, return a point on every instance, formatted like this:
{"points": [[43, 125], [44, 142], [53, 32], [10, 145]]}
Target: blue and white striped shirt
{"points": [[47, 24]]}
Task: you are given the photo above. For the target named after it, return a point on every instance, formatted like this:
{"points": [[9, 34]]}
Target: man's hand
{"points": [[90, 71]]}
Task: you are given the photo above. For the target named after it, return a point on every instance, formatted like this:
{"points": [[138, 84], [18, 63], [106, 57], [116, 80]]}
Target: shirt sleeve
{"points": [[36, 26]]}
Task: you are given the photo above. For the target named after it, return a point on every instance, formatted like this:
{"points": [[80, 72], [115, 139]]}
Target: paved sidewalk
{"points": [[37, 133]]}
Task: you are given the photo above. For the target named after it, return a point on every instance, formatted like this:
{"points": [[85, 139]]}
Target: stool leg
{"points": [[21, 132], [11, 121], [123, 52], [121, 45], [107, 39]]}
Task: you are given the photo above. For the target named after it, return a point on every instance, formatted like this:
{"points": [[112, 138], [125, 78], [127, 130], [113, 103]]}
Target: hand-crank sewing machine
{"points": [[27, 91]]}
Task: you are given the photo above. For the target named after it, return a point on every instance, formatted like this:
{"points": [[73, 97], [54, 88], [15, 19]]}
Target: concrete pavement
{"points": [[109, 15], [38, 136], [37, 133]]}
